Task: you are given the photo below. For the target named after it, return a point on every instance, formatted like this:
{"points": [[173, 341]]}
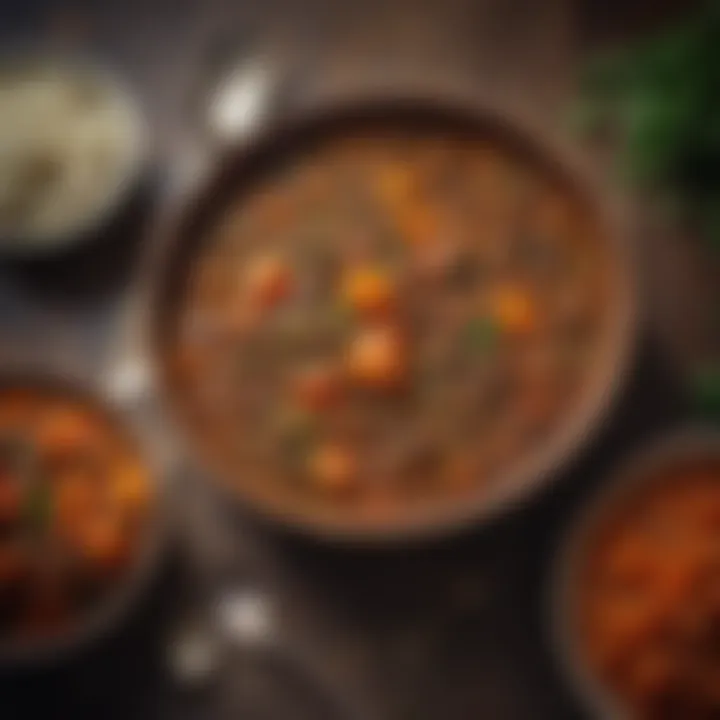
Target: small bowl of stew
{"points": [[79, 518], [638, 594]]}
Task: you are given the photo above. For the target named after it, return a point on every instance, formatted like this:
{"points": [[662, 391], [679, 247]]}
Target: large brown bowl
{"points": [[236, 172]]}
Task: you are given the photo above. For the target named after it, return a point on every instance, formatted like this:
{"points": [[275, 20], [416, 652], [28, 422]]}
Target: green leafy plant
{"points": [[660, 101]]}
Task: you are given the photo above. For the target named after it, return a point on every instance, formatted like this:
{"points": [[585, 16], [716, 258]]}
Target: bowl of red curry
{"points": [[638, 593], [80, 519], [390, 317]]}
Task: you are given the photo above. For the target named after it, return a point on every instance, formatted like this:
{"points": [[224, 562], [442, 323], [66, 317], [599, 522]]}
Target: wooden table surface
{"points": [[449, 632]]}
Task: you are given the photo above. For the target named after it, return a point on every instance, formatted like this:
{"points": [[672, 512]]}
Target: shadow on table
{"points": [[98, 267], [119, 678]]}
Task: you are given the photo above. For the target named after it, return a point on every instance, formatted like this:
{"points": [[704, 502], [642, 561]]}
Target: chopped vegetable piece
{"points": [[10, 500], [317, 387], [38, 508], [418, 224], [273, 209], [415, 458], [513, 308], [395, 183], [480, 334], [462, 469], [243, 320], [267, 280], [553, 215], [103, 542], [65, 430], [340, 317], [536, 409], [48, 615], [320, 267], [390, 249], [434, 261], [368, 290], [463, 270], [295, 431], [333, 468], [131, 487], [189, 360], [13, 564], [415, 221], [74, 500], [377, 358]]}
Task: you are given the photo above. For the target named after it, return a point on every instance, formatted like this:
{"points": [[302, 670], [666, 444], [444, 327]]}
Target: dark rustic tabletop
{"points": [[446, 632]]}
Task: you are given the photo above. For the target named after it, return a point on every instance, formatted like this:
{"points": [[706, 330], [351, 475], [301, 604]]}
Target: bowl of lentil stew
{"points": [[391, 317]]}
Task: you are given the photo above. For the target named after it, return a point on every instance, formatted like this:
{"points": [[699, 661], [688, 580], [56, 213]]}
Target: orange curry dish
{"points": [[650, 597], [74, 499]]}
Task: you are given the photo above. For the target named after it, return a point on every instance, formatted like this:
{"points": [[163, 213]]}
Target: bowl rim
{"points": [[628, 477], [481, 114], [102, 618], [135, 164]]}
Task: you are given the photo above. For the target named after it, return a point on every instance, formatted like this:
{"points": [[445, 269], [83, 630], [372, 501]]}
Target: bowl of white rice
{"points": [[73, 147]]}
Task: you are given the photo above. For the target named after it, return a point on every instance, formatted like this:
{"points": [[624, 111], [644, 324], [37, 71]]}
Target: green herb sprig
{"points": [[660, 99]]}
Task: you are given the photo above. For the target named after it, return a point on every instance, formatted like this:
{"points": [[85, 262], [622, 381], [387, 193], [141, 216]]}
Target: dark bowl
{"points": [[685, 446], [130, 175], [236, 171], [109, 614]]}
